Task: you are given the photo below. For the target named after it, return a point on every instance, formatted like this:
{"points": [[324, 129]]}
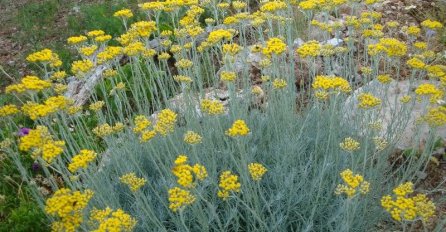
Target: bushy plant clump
{"points": [[179, 135]]}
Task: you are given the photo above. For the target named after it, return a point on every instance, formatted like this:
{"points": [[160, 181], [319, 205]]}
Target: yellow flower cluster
{"points": [[76, 39], [184, 63], [88, 50], [166, 122], [432, 24], [416, 63], [390, 46], [212, 107], [256, 171], [218, 35], [436, 116], [143, 28], [134, 48], [311, 48], [350, 145], [124, 13], [430, 91], [67, 205], [45, 56], [353, 184], [58, 76], [274, 46], [50, 105], [8, 110], [182, 79], [231, 49], [31, 83], [180, 198], [228, 76], [368, 101], [384, 79], [105, 129], [404, 208], [81, 67], [279, 83], [81, 160], [96, 106], [272, 6], [95, 33], [112, 221], [228, 183], [155, 6], [132, 181], [40, 142], [141, 123], [330, 84], [109, 53], [239, 128], [187, 174], [191, 137]]}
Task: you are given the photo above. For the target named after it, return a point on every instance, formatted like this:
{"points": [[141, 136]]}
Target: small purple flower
{"points": [[35, 167], [430, 33], [23, 131]]}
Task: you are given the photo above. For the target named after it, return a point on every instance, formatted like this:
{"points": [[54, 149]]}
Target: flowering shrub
{"points": [[169, 130]]}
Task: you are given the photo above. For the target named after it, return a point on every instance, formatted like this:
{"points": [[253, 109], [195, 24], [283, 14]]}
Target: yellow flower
{"points": [[88, 50], [231, 49], [76, 39], [143, 28], [331, 83], [103, 38], [134, 48], [311, 48], [191, 137], [228, 76], [185, 173], [182, 79], [166, 122], [432, 24], [404, 208], [81, 160], [391, 46], [349, 145], [279, 83], [413, 30], [32, 83], [430, 91], [405, 99], [164, 56], [239, 128], [141, 123], [81, 67], [124, 13], [58, 76], [435, 116], [132, 181], [96, 106], [367, 101], [112, 221], [179, 198], [212, 107], [184, 63], [228, 183], [147, 135], [353, 184], [384, 79], [218, 35], [274, 46], [8, 110], [256, 171], [68, 206], [95, 33], [273, 6], [416, 63]]}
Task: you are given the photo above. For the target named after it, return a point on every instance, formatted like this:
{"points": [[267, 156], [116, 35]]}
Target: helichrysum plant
{"points": [[218, 116]]}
